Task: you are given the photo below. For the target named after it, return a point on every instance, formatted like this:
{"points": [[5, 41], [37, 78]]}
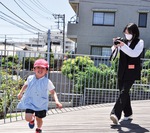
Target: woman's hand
{"points": [[120, 43]]}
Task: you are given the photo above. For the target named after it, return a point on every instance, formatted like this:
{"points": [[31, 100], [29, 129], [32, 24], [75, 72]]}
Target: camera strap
{"points": [[114, 54]]}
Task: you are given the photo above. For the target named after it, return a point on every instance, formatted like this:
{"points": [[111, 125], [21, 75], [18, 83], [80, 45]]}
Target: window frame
{"points": [[101, 50], [145, 23], [104, 15]]}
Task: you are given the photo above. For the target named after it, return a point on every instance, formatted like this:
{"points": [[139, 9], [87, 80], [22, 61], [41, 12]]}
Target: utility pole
{"points": [[63, 33], [62, 17], [48, 50], [38, 41], [48, 45], [5, 48]]}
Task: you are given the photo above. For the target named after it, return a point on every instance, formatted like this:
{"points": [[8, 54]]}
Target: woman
{"points": [[129, 70]]}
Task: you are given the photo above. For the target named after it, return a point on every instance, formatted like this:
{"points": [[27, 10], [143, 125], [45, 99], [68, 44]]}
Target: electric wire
{"points": [[29, 15], [15, 37], [30, 8], [16, 34], [44, 7], [9, 21], [16, 20], [20, 17], [23, 25], [41, 7], [2, 36], [35, 4], [33, 10]]}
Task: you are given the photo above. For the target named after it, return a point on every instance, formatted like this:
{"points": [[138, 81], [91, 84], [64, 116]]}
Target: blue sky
{"points": [[37, 13]]}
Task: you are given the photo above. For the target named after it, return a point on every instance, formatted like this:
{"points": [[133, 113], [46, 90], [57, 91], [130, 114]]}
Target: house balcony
{"points": [[72, 31], [73, 23], [74, 4]]}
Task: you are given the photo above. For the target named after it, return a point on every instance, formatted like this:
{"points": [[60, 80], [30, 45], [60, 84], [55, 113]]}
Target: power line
{"points": [[29, 15], [30, 8], [15, 37], [16, 34], [40, 7], [43, 7], [33, 10], [11, 22], [16, 20], [20, 17]]}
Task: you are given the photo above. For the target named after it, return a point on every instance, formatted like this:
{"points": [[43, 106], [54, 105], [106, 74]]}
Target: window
{"points": [[104, 18], [106, 51], [104, 54], [102, 51], [142, 19]]}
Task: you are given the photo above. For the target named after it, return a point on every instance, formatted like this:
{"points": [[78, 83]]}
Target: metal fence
{"points": [[79, 80]]}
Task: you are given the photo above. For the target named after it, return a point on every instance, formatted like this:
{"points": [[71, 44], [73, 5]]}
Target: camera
{"points": [[120, 39]]}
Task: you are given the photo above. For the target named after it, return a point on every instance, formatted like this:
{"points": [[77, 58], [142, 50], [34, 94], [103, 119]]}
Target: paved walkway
{"points": [[88, 119]]}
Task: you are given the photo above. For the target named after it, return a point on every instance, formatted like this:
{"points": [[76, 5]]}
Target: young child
{"points": [[36, 97]]}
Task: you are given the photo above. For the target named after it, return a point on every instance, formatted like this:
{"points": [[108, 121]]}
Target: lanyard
{"points": [[112, 56]]}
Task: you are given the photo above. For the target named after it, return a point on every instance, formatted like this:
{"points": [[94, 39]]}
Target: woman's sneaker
{"points": [[38, 130], [114, 118], [128, 118], [31, 124]]}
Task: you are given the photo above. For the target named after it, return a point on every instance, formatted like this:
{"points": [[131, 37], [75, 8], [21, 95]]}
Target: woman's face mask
{"points": [[128, 36]]}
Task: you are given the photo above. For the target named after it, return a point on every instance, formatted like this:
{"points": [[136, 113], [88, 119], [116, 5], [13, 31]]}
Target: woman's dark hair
{"points": [[132, 29]]}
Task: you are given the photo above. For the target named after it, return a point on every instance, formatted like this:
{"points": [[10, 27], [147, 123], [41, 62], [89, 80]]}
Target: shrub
{"points": [[85, 75], [9, 88], [11, 62], [28, 62], [147, 54]]}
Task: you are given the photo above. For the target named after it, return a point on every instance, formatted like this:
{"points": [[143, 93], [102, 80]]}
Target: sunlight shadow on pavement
{"points": [[129, 127]]}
